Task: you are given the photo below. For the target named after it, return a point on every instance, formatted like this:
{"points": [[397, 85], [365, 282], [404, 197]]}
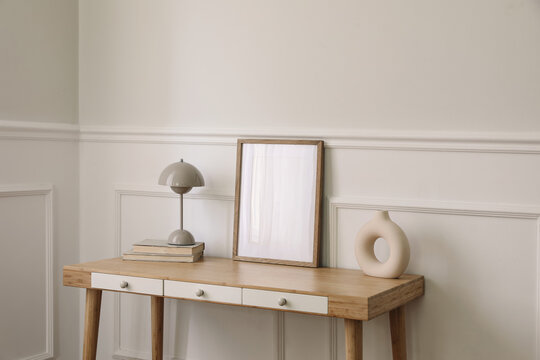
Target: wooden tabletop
{"points": [[351, 294]]}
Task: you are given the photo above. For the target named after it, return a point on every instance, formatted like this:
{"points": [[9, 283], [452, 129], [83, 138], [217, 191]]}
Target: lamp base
{"points": [[181, 237]]}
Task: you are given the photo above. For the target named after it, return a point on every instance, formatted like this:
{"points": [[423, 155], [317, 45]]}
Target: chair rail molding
{"points": [[446, 141], [27, 130], [512, 211], [45, 190]]}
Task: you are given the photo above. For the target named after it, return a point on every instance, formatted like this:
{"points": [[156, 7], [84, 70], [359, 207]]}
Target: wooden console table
{"points": [[341, 293]]}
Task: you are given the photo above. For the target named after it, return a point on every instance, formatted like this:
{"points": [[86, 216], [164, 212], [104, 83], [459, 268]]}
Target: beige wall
{"points": [[468, 204], [38, 60], [422, 65], [38, 90]]}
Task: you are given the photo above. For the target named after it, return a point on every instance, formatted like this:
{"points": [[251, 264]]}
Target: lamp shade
{"points": [[181, 177]]}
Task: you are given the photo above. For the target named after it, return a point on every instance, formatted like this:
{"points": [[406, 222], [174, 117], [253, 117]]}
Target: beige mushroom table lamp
{"points": [[181, 177]]}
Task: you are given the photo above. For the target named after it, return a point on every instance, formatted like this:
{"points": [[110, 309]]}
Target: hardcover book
{"points": [[162, 247], [132, 255]]}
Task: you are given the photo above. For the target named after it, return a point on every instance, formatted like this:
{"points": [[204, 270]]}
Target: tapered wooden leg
{"points": [[353, 339], [157, 328], [397, 330], [91, 323]]}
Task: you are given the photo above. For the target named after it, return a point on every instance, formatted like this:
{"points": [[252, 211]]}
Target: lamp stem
{"points": [[181, 211]]}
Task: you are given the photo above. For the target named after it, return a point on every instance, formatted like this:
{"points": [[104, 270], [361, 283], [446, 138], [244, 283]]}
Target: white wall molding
{"points": [[513, 211], [144, 191], [333, 323], [45, 190], [280, 335], [497, 142], [164, 191], [26, 130], [488, 142]]}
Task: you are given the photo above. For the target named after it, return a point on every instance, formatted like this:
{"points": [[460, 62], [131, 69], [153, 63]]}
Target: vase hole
{"points": [[382, 250]]}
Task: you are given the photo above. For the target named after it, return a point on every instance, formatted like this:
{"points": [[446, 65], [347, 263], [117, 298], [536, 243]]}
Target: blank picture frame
{"points": [[277, 217]]}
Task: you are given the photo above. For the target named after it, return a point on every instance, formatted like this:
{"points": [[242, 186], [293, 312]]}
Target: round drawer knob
{"points": [[124, 284], [282, 301], [200, 292]]}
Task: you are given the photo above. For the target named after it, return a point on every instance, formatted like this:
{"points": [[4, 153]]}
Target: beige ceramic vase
{"points": [[381, 226]]}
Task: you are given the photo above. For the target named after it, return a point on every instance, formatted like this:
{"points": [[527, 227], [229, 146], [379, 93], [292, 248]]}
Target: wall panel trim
{"points": [[280, 335], [515, 211], [45, 190]]}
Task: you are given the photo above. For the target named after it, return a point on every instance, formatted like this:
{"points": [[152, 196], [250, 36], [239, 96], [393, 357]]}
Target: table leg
{"points": [[157, 327], [353, 339], [397, 330], [91, 323]]}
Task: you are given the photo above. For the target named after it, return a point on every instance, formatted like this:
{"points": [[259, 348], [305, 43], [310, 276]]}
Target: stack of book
{"points": [[159, 250]]}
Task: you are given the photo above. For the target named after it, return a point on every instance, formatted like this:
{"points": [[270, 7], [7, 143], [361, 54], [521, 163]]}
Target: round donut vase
{"points": [[381, 226]]}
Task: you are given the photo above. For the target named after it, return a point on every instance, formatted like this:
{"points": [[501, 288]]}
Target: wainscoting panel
{"points": [[26, 272], [153, 212], [481, 260], [43, 225]]}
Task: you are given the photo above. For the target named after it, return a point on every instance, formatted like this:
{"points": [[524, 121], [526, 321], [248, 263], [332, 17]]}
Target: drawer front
{"points": [[196, 291], [285, 301], [129, 284]]}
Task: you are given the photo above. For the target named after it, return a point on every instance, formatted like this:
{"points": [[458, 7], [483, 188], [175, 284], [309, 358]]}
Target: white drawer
{"points": [[196, 291], [129, 284], [289, 301]]}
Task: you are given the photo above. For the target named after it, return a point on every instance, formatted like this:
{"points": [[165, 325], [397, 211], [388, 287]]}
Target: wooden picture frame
{"points": [[283, 179]]}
